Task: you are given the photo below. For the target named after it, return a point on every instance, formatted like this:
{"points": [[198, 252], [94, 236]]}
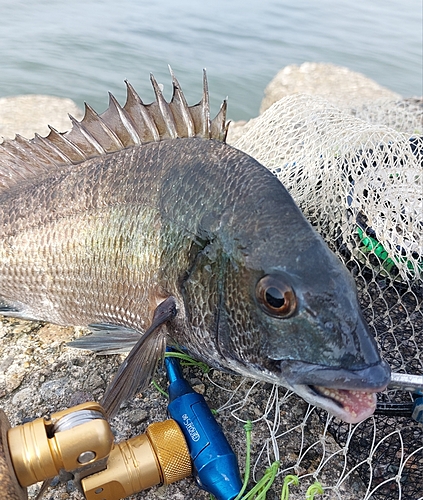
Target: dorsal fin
{"points": [[118, 127]]}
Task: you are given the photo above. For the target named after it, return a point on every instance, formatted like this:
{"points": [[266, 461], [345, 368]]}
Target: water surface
{"points": [[83, 49]]}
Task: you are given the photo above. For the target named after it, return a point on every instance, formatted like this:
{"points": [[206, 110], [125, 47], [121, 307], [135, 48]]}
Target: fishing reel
{"points": [[77, 443]]}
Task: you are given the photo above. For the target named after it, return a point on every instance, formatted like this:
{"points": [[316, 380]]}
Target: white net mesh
{"points": [[357, 175], [345, 172]]}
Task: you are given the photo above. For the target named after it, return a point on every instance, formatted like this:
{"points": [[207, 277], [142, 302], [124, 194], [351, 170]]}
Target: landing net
{"points": [[357, 175]]}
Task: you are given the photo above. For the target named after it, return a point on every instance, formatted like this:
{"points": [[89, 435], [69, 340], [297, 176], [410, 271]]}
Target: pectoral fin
{"points": [[136, 371]]}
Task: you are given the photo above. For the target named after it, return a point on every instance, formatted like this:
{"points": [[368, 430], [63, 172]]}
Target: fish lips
{"points": [[372, 378], [347, 394]]}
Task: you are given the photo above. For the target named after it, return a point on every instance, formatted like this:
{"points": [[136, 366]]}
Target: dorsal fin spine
{"points": [[61, 138], [51, 147], [142, 110], [11, 158], [89, 111], [219, 126], [117, 128], [36, 153], [178, 100], [205, 106], [125, 119], [164, 109], [76, 125], [20, 155]]}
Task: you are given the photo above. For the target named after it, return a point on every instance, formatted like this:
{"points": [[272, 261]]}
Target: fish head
{"points": [[305, 331], [271, 301]]}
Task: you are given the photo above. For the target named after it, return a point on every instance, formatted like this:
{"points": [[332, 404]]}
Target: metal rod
{"points": [[406, 382]]}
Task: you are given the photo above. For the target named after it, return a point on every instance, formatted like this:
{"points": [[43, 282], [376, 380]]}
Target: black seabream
{"points": [[143, 224]]}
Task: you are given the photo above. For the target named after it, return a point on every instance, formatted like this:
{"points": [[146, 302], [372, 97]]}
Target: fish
{"points": [[142, 224]]}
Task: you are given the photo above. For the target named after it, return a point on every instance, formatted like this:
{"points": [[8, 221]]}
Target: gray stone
{"points": [[28, 114], [337, 84], [23, 396], [137, 416]]}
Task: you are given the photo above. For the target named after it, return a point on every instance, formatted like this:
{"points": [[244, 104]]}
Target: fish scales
{"points": [[108, 239], [112, 253]]}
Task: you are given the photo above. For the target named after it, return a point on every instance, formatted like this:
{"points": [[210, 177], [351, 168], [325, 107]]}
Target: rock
{"points": [[337, 84], [30, 114], [23, 396], [56, 388], [135, 417], [93, 382], [48, 334], [14, 380]]}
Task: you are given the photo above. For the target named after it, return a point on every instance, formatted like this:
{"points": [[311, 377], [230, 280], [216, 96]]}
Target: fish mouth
{"points": [[351, 406], [347, 394]]}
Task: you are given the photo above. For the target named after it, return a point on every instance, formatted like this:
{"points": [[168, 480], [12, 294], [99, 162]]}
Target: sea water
{"points": [[84, 48]]}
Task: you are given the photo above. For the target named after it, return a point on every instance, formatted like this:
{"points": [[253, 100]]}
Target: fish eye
{"points": [[276, 297]]}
